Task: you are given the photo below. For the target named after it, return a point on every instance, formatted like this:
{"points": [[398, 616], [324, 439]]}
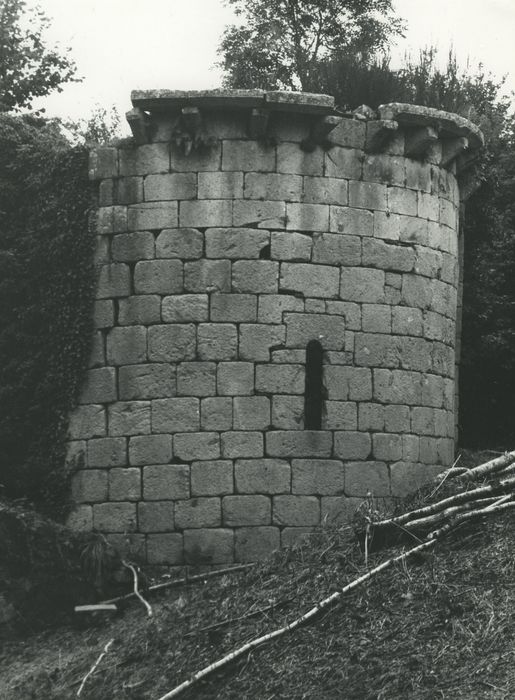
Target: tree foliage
{"points": [[46, 297], [280, 42], [28, 67]]}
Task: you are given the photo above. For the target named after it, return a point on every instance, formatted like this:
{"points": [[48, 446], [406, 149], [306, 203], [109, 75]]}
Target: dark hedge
{"points": [[46, 299]]}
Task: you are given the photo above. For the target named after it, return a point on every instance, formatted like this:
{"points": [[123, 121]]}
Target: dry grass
{"points": [[441, 627]]}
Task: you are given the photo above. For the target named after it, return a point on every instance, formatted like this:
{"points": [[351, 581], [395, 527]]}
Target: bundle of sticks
{"points": [[495, 493]]}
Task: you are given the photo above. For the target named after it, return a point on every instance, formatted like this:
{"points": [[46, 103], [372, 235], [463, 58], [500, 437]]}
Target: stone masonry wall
{"points": [[284, 223]]}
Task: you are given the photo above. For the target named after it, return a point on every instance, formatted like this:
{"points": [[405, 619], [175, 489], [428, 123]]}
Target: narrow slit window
{"points": [[314, 390]]}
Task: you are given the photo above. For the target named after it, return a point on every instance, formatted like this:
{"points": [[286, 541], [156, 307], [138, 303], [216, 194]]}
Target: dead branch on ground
{"points": [[94, 667]]}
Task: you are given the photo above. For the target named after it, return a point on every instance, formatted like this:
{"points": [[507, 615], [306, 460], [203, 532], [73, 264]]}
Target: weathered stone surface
{"points": [[184, 243], [290, 246], [224, 185], [251, 413], [170, 186], [126, 346], [166, 482], [207, 276], [310, 280], [217, 341], [129, 418], [173, 343], [206, 212], [294, 443], [272, 186], [343, 163], [156, 516], [362, 285], [124, 484], [317, 477], [150, 449], [90, 486], [114, 517], [283, 379], [387, 256], [288, 412], [235, 378], [307, 217], [196, 379], [352, 445], [255, 276], [377, 318], [165, 548], [185, 307], [367, 478], [325, 190], [348, 383], [176, 415], [252, 212], [255, 543], [338, 510], [355, 222], [107, 452], [242, 444], [212, 478], [268, 476], [256, 340], [146, 381], [203, 547], [291, 159], [367, 195], [139, 310], [235, 243], [198, 512], [131, 247], [216, 413], [140, 160], [243, 511], [295, 510], [387, 447], [152, 215], [335, 249], [158, 277], [247, 156], [190, 446], [87, 422], [113, 281], [301, 328], [340, 415]]}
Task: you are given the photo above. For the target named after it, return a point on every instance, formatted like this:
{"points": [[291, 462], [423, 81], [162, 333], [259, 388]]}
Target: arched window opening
{"points": [[314, 388]]}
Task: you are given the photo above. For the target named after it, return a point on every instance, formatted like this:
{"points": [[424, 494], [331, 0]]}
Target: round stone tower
{"points": [[276, 318]]}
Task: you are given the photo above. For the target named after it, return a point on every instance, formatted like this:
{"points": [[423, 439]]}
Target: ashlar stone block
{"points": [[124, 484], [183, 243], [317, 477], [175, 415], [156, 516], [244, 511], [267, 476], [195, 446], [213, 546], [217, 341], [255, 543], [251, 413], [150, 449], [150, 381], [296, 510], [216, 413], [198, 513], [158, 277], [259, 276], [235, 378], [196, 379], [166, 482], [129, 418], [242, 444], [171, 343], [310, 280], [212, 478], [235, 243]]}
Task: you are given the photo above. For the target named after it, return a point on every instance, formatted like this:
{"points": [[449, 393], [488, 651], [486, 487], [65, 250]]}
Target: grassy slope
{"points": [[442, 627]]}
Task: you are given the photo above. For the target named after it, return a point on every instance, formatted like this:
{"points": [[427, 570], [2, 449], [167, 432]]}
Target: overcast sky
{"points": [[120, 45]]}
